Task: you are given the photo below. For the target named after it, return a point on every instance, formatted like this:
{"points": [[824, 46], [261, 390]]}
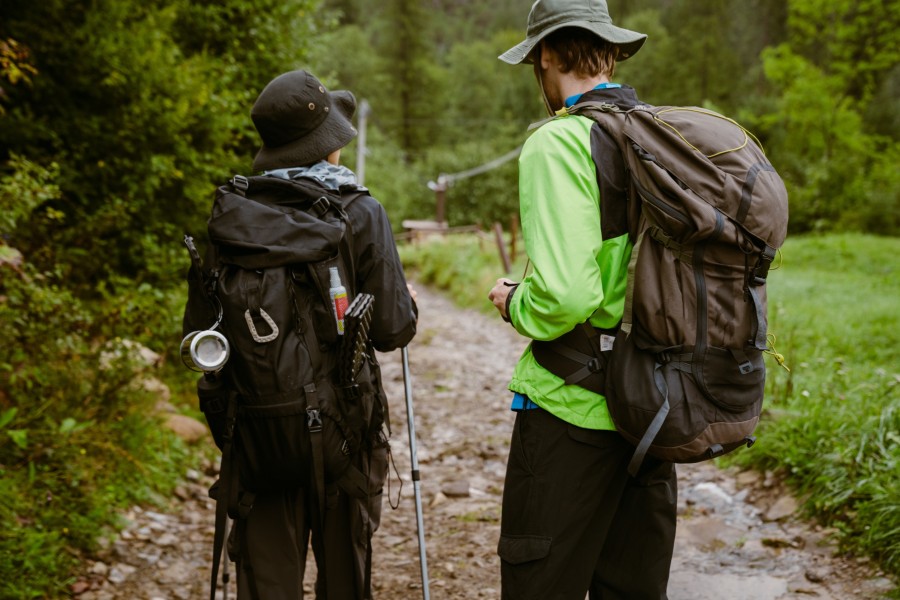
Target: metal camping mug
{"points": [[205, 351]]}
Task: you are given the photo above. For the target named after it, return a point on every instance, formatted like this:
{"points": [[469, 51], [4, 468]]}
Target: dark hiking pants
{"points": [[574, 521], [270, 546]]}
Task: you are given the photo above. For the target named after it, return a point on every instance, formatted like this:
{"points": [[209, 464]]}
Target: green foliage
{"points": [[840, 170], [28, 187], [402, 41], [77, 437], [106, 161], [694, 29], [832, 423], [856, 41], [837, 174], [15, 66], [490, 96], [143, 123]]}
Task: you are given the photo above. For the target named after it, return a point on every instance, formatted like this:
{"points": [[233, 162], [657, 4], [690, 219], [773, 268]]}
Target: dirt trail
{"points": [[738, 536]]}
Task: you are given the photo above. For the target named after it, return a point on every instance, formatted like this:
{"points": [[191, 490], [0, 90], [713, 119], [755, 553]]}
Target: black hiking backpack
{"points": [[684, 379], [299, 394]]}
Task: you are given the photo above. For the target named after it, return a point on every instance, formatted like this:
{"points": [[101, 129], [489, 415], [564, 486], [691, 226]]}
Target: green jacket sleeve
{"points": [[560, 214]]}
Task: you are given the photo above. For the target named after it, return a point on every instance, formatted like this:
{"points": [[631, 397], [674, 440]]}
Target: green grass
{"points": [[831, 425]]}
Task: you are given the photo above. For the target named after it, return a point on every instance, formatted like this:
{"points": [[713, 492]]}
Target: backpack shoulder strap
{"points": [[609, 116], [347, 241]]}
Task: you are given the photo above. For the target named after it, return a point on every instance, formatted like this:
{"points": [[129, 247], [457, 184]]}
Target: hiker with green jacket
{"points": [[573, 519]]}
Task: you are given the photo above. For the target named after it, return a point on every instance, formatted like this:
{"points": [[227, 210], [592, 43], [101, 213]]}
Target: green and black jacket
{"points": [[574, 221]]}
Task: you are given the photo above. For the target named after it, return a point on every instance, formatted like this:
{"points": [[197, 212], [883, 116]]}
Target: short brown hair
{"points": [[583, 52]]}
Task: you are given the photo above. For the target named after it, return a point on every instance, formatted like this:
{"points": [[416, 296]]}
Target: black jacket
{"points": [[379, 272]]}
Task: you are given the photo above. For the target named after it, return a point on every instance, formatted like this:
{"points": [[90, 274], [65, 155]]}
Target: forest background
{"points": [[119, 117]]}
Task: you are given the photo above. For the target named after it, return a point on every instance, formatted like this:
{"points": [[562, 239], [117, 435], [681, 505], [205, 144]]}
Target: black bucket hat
{"points": [[300, 121], [547, 16]]}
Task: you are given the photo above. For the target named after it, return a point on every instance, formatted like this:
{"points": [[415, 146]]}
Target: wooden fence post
{"points": [[514, 233], [504, 257]]}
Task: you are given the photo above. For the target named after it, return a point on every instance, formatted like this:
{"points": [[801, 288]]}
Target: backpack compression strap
{"points": [[314, 424], [655, 425]]}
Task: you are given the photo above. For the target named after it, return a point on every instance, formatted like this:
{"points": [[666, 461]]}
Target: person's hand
{"points": [[412, 292], [500, 293]]}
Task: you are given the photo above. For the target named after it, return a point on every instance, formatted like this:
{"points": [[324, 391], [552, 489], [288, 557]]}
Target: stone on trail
{"points": [[782, 509], [457, 489], [187, 428], [688, 585]]}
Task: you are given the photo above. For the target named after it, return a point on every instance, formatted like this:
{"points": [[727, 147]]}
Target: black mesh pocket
{"points": [[273, 446]]}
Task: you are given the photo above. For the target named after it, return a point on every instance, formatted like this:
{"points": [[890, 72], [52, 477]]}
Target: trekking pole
{"points": [[411, 425]]}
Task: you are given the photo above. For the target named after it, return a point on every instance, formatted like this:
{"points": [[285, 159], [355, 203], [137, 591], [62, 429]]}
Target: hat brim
{"points": [[335, 132], [629, 42]]}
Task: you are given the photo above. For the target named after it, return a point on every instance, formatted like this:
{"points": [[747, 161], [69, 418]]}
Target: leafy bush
{"points": [[151, 116], [78, 439]]}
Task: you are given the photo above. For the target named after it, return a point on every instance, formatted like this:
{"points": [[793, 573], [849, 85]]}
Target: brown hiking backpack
{"points": [[685, 378]]}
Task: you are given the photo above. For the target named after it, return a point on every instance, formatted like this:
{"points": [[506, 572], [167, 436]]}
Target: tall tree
{"points": [[826, 74], [405, 41], [855, 40]]}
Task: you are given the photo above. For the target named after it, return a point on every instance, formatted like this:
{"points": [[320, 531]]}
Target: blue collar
{"points": [[571, 100]]}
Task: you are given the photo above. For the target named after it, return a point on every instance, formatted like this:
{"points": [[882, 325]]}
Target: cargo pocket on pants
{"points": [[520, 549], [523, 565]]}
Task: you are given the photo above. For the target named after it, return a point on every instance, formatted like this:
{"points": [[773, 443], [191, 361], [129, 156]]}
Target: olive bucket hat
{"points": [[547, 16], [300, 121]]}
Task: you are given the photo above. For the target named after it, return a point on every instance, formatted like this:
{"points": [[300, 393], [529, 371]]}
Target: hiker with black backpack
{"points": [[300, 285], [573, 519]]}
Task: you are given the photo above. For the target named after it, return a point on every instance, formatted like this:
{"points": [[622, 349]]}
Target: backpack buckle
{"points": [[313, 420], [320, 206], [761, 270], [594, 365], [241, 184]]}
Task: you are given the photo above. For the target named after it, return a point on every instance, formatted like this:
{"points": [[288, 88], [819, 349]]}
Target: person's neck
{"points": [[572, 85]]}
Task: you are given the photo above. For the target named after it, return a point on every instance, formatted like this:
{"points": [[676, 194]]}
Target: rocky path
{"points": [[738, 534]]}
